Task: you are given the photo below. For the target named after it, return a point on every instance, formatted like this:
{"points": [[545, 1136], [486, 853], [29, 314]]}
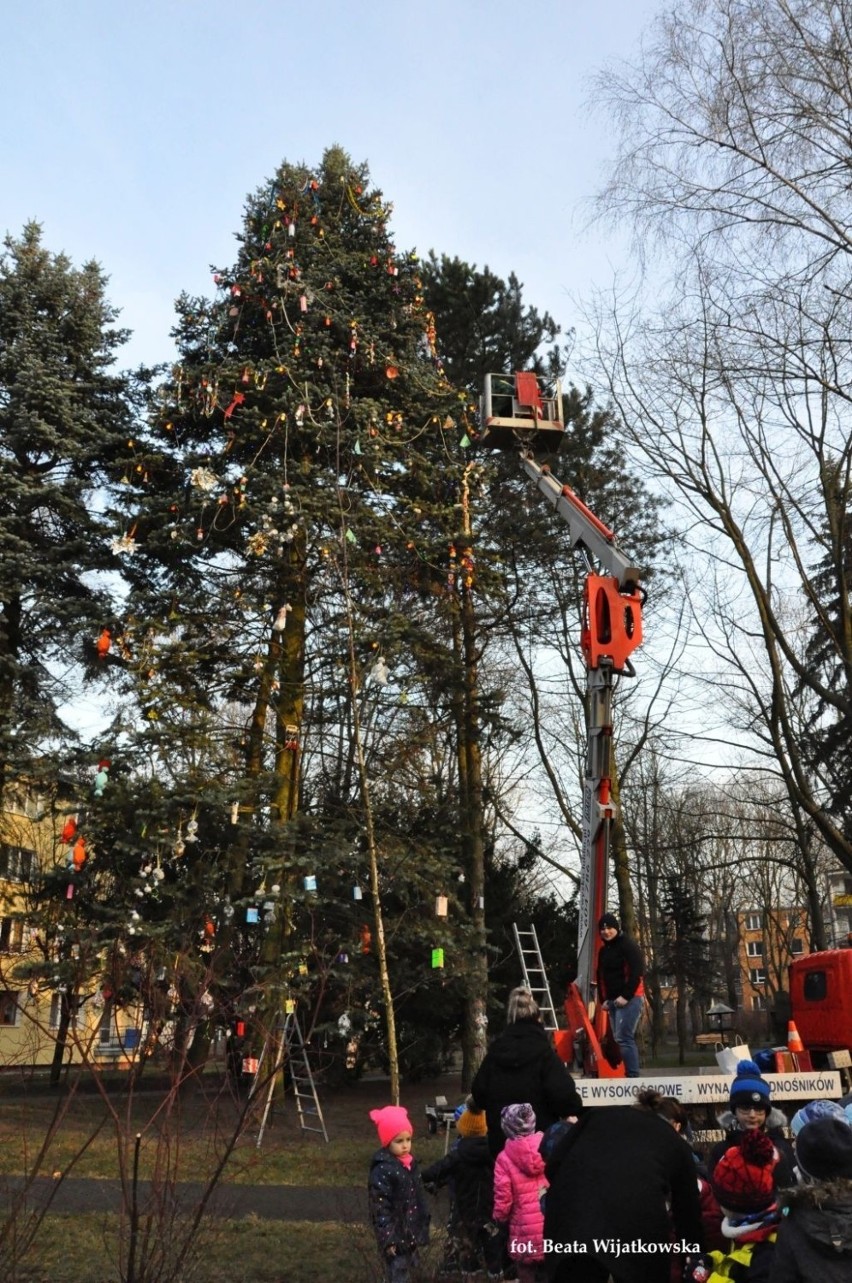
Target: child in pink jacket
{"points": [[519, 1182]]}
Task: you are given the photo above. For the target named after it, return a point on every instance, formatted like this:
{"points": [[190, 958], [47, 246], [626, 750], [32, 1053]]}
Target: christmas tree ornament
{"points": [[203, 479], [380, 673], [69, 829], [235, 812], [357, 894], [441, 906], [280, 621], [357, 447], [101, 779], [126, 543], [366, 937], [342, 958], [79, 854], [252, 915], [103, 643], [191, 834], [465, 442], [310, 882], [437, 958]]}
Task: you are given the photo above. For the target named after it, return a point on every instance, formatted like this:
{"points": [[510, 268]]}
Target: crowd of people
{"points": [[545, 1191]]}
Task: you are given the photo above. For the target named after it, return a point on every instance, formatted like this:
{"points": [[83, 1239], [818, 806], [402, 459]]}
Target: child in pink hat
{"points": [[398, 1211]]}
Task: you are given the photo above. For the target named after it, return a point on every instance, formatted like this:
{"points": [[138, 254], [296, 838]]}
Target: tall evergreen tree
{"points": [[288, 515], [64, 420]]}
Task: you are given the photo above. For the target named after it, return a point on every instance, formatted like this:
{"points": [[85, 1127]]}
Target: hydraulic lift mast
{"points": [[519, 413]]}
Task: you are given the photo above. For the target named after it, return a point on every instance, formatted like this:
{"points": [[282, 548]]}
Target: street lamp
{"points": [[720, 1015]]}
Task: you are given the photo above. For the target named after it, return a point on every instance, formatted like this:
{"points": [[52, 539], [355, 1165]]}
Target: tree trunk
{"points": [[66, 1007]]}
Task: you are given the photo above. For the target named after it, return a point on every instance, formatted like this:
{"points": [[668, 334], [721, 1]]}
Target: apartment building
{"points": [[30, 1006]]}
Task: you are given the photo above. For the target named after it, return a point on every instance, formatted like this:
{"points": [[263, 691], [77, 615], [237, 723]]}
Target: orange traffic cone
{"points": [[794, 1042]]}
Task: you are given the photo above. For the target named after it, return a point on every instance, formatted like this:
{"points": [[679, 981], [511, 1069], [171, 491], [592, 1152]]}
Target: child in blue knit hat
{"points": [[751, 1110]]}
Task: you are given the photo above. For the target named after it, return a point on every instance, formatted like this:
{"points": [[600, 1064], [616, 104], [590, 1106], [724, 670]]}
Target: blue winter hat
{"points": [[748, 1088], [813, 1110]]}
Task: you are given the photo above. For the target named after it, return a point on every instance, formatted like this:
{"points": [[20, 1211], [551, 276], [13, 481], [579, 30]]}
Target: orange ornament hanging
{"points": [[79, 853], [366, 939], [69, 829], [103, 643]]}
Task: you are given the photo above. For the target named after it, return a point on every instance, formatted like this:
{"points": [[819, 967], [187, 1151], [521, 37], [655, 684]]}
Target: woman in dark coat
{"points": [[521, 1067], [613, 1180]]}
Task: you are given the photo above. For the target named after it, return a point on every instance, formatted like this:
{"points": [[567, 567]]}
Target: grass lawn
{"points": [[84, 1249]]}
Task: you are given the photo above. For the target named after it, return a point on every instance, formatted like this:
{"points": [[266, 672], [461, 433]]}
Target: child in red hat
{"points": [[743, 1181], [398, 1211]]}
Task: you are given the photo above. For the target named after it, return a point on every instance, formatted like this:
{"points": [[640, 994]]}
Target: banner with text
{"points": [[708, 1089]]}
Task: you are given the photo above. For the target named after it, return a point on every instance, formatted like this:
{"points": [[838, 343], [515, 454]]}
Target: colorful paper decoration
{"points": [[249, 1064], [310, 882], [235, 812], [437, 958], [441, 906], [69, 829], [342, 957], [101, 779], [252, 915], [357, 893], [103, 643], [289, 1006]]}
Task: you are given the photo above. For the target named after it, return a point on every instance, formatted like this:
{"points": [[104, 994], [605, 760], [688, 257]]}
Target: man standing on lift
{"points": [[620, 988]]}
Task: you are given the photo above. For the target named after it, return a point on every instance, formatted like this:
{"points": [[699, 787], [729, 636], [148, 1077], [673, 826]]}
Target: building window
{"points": [[11, 935], [755, 948], [754, 921], [797, 945], [16, 863], [8, 1007], [758, 1002], [757, 976], [106, 1027]]}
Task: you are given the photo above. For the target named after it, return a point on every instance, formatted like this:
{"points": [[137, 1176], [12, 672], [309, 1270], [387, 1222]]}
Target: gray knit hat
{"points": [[517, 1120]]}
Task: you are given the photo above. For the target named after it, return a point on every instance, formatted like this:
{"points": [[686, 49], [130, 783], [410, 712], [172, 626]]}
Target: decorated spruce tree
{"points": [[286, 532]]}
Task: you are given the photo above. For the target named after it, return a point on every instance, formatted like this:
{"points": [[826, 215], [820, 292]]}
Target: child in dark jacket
{"points": [[398, 1211], [469, 1167], [815, 1236]]}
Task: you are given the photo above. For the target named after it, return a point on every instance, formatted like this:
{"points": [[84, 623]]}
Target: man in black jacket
{"points": [[623, 1200], [620, 988]]}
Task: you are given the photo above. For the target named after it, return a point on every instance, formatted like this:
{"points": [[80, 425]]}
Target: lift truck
{"points": [[521, 412]]}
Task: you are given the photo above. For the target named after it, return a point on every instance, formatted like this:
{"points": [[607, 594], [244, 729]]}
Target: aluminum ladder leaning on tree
{"points": [[288, 1042], [535, 976]]}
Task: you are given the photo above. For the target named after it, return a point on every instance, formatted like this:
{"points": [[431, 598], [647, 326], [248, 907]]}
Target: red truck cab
{"points": [[821, 999]]}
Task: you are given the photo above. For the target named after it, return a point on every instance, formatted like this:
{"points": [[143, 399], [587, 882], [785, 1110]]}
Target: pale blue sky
{"points": [[134, 131]]}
